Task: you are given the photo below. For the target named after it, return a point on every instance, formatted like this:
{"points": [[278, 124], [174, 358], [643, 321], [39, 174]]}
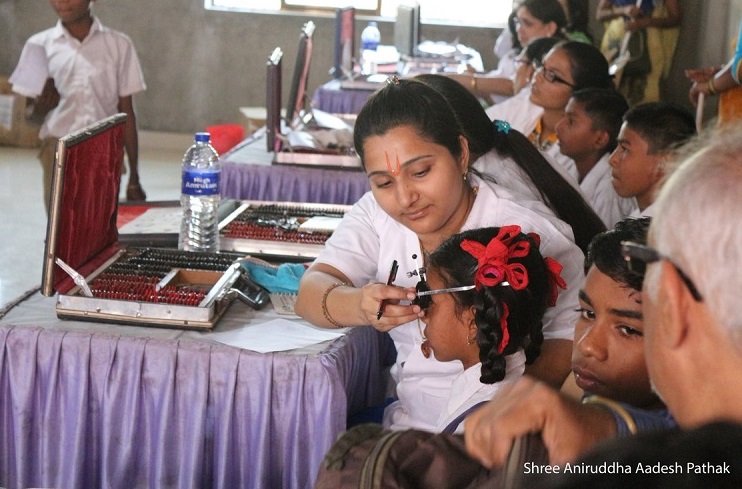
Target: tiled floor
{"points": [[22, 217]]}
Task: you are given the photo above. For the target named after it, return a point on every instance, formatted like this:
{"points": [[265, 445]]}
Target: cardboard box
{"points": [[252, 118], [15, 130]]}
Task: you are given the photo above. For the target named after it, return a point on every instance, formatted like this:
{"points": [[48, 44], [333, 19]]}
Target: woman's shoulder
{"points": [[499, 206], [518, 110]]}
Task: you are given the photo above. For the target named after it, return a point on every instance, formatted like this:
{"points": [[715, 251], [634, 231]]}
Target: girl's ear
{"points": [[464, 160], [472, 331]]}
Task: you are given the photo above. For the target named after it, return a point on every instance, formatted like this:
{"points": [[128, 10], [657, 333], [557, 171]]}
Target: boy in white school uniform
{"points": [[587, 134], [74, 74], [649, 134]]}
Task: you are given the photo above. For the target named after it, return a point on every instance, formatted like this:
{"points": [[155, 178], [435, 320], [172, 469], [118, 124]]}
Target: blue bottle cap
{"points": [[202, 137]]}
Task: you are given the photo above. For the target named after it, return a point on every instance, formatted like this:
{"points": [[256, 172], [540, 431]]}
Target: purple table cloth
{"points": [[335, 100], [88, 407], [247, 174]]}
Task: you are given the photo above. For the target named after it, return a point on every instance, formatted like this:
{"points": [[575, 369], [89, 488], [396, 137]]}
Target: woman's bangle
{"points": [[323, 304], [474, 84], [615, 408], [710, 87]]}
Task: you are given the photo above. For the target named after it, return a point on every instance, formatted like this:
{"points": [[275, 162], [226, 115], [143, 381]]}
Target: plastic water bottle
{"points": [[199, 229], [370, 39]]}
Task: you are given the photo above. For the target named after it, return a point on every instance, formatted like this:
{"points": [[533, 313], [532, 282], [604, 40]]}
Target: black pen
{"points": [[389, 281]]}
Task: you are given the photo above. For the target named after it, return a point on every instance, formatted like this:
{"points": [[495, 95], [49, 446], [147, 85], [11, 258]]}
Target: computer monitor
{"points": [[298, 90], [273, 101], [407, 30], [345, 19]]}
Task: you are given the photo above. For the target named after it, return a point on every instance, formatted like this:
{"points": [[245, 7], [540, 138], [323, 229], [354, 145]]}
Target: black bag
{"points": [[639, 62], [367, 456]]}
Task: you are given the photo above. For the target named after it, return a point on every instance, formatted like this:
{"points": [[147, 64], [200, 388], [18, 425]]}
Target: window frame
{"points": [[361, 14]]}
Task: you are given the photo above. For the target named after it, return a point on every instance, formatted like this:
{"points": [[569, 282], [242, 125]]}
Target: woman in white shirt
{"points": [[489, 289], [505, 156], [532, 19], [417, 160]]}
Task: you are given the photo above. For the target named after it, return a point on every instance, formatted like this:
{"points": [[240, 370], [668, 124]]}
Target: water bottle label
{"points": [[200, 182]]}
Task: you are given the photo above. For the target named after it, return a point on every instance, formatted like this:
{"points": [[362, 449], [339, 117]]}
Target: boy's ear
{"points": [[661, 162], [601, 139]]}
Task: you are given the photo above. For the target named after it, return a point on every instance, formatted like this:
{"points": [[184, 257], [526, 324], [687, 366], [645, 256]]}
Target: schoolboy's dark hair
{"points": [[526, 307], [547, 11], [606, 108], [408, 103], [537, 48], [566, 202], [663, 125], [588, 66], [605, 251]]}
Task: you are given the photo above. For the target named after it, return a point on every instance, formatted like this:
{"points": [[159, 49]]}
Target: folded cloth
{"points": [[281, 279]]}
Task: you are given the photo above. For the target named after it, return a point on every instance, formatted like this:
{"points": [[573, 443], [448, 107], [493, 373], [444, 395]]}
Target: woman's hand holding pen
{"points": [[393, 313]]}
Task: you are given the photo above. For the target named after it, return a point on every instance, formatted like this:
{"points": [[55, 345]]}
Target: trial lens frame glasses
{"points": [[638, 256], [424, 299], [549, 75]]}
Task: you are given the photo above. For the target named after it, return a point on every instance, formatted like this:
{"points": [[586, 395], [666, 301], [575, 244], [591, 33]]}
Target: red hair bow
{"points": [[555, 279], [492, 260]]}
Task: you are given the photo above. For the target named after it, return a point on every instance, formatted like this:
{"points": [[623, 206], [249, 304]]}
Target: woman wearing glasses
{"points": [[569, 66], [532, 19], [422, 191]]}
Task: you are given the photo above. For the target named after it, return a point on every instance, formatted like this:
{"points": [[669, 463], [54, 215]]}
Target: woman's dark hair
{"points": [[547, 11], [605, 251], [513, 28], [566, 202], [408, 103], [526, 307], [578, 19], [588, 66]]}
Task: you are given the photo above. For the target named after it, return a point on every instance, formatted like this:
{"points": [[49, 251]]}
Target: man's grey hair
{"points": [[698, 222]]}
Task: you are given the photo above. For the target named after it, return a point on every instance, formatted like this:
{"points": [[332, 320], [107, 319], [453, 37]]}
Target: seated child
{"points": [[608, 352], [607, 362], [648, 135], [487, 292], [587, 134]]}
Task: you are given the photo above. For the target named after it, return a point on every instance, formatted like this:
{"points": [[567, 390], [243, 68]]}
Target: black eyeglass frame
{"points": [[550, 76], [645, 254]]}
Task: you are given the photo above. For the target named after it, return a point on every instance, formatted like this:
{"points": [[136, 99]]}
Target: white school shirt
{"points": [[523, 115], [602, 197], [90, 76], [648, 212], [368, 240], [467, 390]]}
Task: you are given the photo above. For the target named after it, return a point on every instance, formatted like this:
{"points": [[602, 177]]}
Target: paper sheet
{"points": [[157, 220], [274, 335]]}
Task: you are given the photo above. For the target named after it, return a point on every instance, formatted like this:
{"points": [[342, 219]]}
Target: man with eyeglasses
{"points": [[693, 334]]}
